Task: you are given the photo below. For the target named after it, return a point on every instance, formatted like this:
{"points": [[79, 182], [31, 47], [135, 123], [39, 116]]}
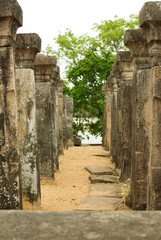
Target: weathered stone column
{"points": [[65, 133], [27, 46], [119, 115], [60, 86], [125, 64], [55, 80], [113, 84], [150, 22], [70, 109], [141, 123], [10, 194], [44, 115], [106, 117]]}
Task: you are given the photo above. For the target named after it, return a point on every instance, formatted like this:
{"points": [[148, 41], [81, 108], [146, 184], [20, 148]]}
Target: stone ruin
{"points": [[132, 112], [36, 126], [35, 116]]}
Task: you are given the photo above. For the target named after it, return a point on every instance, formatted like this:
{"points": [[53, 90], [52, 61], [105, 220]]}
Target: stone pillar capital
{"points": [[150, 20], [135, 40], [27, 46], [10, 21], [44, 67], [125, 63]]}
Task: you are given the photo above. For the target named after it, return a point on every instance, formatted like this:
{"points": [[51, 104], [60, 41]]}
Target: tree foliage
{"points": [[88, 62], [111, 33]]}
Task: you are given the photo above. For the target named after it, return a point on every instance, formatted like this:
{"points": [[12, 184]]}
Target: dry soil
{"points": [[72, 183]]}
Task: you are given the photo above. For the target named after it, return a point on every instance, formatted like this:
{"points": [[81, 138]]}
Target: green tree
{"points": [[111, 33], [87, 67], [88, 62]]}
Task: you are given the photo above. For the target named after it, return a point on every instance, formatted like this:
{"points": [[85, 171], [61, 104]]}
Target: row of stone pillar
{"points": [[132, 115], [32, 110]]}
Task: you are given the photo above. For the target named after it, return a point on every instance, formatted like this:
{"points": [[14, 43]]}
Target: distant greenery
{"points": [[88, 62]]}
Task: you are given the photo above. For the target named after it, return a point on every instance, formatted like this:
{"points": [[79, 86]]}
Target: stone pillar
{"points": [[70, 108], [60, 86], [150, 22], [27, 46], [44, 115], [119, 115], [10, 192], [113, 117], [141, 118], [55, 80], [125, 64], [65, 133], [106, 117]]}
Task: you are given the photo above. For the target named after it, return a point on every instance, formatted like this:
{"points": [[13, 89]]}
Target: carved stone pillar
{"points": [[27, 46], [150, 22], [60, 86], [119, 115], [10, 194], [44, 115], [113, 84], [55, 80], [141, 119], [70, 109], [106, 117], [125, 65], [65, 133]]}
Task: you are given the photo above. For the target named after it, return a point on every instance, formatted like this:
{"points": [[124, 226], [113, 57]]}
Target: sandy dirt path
{"points": [[71, 183]]}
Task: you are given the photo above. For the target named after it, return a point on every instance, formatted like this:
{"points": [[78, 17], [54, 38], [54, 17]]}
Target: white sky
{"points": [[48, 17]]}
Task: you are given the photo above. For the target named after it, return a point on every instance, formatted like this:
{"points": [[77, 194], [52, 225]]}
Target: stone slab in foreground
{"points": [[100, 170], [80, 225], [103, 179], [100, 203], [106, 190]]}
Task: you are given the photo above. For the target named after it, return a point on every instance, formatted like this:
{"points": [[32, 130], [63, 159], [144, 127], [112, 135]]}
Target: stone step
{"points": [[106, 190], [101, 170], [100, 203], [103, 179]]}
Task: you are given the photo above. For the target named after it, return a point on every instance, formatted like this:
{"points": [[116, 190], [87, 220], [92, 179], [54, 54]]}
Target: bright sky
{"points": [[48, 17]]}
